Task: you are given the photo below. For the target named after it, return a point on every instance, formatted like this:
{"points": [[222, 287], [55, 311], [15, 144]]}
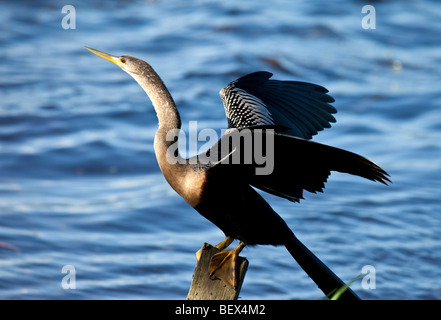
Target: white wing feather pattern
{"points": [[254, 100]]}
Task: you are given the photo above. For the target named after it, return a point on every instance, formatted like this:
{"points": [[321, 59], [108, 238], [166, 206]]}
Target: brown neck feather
{"points": [[169, 122]]}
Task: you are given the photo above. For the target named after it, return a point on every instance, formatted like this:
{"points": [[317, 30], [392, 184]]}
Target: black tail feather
{"points": [[325, 279]]}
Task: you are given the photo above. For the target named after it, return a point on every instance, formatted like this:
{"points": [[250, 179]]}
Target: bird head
{"points": [[129, 64]]}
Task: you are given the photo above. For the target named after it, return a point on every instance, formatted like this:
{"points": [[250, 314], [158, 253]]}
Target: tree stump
{"points": [[204, 288]]}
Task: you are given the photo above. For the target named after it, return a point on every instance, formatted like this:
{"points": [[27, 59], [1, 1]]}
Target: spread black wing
{"points": [[305, 165], [254, 100], [291, 165]]}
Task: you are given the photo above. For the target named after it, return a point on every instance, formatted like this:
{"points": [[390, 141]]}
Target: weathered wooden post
{"points": [[204, 288]]}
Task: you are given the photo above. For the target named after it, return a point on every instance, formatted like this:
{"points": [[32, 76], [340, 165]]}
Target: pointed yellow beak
{"points": [[115, 60]]}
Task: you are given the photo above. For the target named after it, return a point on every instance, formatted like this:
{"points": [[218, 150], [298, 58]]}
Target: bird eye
{"points": [[122, 60]]}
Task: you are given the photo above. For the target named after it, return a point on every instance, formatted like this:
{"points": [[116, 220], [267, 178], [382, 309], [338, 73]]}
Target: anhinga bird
{"points": [[288, 113]]}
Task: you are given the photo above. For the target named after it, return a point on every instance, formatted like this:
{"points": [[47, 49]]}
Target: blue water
{"points": [[79, 183]]}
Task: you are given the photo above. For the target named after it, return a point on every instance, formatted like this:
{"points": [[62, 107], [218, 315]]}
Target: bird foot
{"points": [[221, 246], [224, 266]]}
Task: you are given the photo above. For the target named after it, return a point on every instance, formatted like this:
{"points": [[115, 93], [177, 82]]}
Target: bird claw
{"points": [[223, 266]]}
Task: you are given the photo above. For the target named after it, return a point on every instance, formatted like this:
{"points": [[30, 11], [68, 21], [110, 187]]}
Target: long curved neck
{"points": [[169, 122], [162, 101]]}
